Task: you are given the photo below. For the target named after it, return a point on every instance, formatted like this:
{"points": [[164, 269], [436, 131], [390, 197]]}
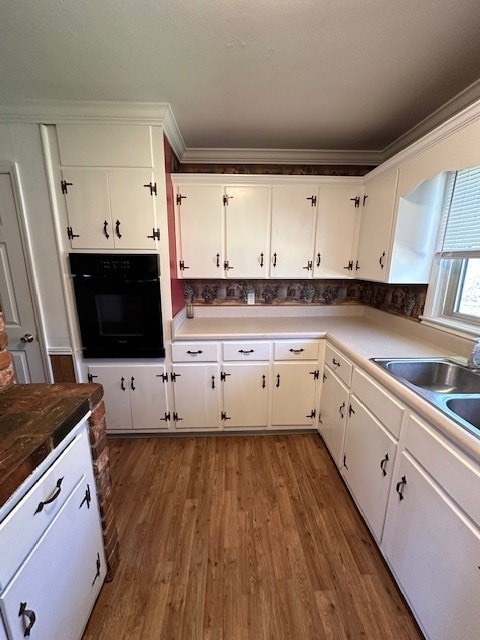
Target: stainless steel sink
{"points": [[438, 376], [452, 388]]}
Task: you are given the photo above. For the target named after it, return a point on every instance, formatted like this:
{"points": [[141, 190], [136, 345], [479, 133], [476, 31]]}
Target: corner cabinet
{"points": [[265, 227]]}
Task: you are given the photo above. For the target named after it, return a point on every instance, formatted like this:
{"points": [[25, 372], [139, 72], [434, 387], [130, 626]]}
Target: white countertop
{"points": [[360, 333]]}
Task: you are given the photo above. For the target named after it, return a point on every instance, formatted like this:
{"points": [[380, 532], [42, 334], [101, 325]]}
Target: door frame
{"points": [[13, 170]]}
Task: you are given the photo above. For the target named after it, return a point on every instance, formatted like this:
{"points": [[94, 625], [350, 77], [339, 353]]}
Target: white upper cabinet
{"points": [[338, 214], [246, 225], [294, 212], [375, 227], [200, 231]]}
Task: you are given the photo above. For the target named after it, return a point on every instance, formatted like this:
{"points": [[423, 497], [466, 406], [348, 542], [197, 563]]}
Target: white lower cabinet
{"points": [[245, 389], [431, 542], [368, 459], [195, 396], [135, 395], [333, 414], [294, 398]]}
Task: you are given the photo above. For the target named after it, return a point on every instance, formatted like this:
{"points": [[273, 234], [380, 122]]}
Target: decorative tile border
{"points": [[405, 300]]}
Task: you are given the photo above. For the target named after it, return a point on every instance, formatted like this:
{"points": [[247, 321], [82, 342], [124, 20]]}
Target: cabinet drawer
{"points": [[296, 350], [195, 352], [246, 350], [452, 470], [338, 363], [381, 404], [27, 521]]}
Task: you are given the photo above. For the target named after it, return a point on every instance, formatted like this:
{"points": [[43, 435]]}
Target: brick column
{"points": [[7, 374], [101, 467]]}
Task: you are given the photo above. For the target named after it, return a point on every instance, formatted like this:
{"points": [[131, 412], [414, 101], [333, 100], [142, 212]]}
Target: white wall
{"points": [[21, 143]]}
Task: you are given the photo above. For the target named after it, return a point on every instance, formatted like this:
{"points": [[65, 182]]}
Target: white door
{"points": [[246, 227], [60, 581], [116, 395], [200, 231], [147, 387], [434, 551], [369, 456], [15, 293], [294, 211], [245, 395], [294, 393], [195, 392], [375, 227], [337, 217], [133, 208], [88, 208], [333, 415]]}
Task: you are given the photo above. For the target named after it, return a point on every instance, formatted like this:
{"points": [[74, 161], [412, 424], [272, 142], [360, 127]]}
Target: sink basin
{"points": [[467, 409], [437, 376]]}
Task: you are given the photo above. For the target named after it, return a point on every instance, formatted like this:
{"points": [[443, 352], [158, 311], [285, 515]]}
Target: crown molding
{"points": [[203, 155]]}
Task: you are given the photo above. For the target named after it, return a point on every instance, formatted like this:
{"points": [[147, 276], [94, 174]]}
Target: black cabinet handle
{"points": [[381, 260], [400, 486], [213, 382], [245, 353], [337, 364], [296, 350], [278, 380], [28, 613], [319, 259], [383, 464], [122, 384], [263, 382], [117, 229], [105, 230], [274, 262], [218, 260], [261, 259], [53, 497], [345, 462], [132, 385], [340, 410], [194, 353]]}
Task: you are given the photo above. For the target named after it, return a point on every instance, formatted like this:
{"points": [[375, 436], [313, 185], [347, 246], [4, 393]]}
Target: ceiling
{"points": [[251, 74]]}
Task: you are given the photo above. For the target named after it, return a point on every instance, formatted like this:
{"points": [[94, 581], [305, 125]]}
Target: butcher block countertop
{"points": [[34, 419]]}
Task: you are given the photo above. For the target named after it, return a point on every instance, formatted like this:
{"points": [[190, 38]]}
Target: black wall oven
{"points": [[118, 305]]}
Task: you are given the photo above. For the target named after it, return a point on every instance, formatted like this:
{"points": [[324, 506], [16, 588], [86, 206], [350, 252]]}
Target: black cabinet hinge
{"points": [[153, 188], [174, 376], [179, 199], [313, 200], [163, 376], [356, 201], [315, 374], [175, 416], [70, 234], [349, 266], [87, 498], [351, 410], [223, 376], [65, 185], [312, 414], [90, 377], [166, 417], [224, 416], [364, 199], [155, 234], [182, 265], [99, 564]]}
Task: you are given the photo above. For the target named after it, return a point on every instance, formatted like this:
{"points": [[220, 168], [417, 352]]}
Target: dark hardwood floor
{"points": [[242, 538]]}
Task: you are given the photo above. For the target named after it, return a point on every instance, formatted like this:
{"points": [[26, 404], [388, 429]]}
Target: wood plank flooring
{"points": [[242, 538]]}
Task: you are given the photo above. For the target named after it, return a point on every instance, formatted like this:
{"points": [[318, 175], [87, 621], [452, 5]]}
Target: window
{"points": [[455, 299]]}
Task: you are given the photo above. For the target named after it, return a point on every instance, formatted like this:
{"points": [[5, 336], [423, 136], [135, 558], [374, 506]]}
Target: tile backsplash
{"points": [[405, 300]]}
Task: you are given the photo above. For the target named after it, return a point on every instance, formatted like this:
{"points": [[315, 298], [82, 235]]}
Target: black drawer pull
{"points": [[53, 497], [28, 613], [337, 364], [105, 230], [341, 410], [194, 353], [132, 385], [278, 380], [400, 486], [383, 464], [296, 350], [213, 382], [117, 229], [122, 384], [245, 353]]}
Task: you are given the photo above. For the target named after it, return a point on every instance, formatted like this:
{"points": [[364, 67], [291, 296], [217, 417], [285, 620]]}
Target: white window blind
{"points": [[459, 233]]}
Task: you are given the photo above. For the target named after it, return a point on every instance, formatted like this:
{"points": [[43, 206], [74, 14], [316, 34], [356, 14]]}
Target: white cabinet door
{"points": [[375, 227], [333, 415], [58, 584], [245, 395], [368, 459], [294, 386], [135, 395], [336, 222], [88, 208], [147, 387], [116, 396], [200, 231], [294, 214], [246, 226], [3, 633], [434, 552], [195, 393], [133, 208]]}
